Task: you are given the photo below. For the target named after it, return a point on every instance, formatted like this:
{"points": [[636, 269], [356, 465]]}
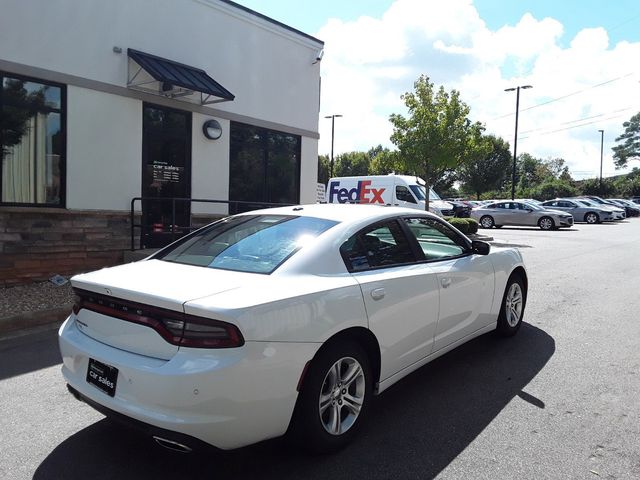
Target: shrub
{"points": [[465, 225], [473, 225]]}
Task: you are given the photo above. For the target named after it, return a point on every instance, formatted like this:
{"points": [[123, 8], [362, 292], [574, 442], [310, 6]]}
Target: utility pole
{"points": [[601, 151], [515, 140], [333, 121]]}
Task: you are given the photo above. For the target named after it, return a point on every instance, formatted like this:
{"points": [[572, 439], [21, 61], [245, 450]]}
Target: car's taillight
{"points": [[77, 303], [175, 327]]}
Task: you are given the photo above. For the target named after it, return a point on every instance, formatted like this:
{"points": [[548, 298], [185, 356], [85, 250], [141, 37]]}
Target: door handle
{"points": [[378, 293], [445, 282]]}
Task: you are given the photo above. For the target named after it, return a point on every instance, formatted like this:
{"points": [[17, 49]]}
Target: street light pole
{"points": [[601, 151], [333, 121], [515, 140]]}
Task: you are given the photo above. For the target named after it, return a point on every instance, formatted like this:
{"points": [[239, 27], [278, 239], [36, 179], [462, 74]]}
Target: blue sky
{"points": [[621, 18], [581, 56]]}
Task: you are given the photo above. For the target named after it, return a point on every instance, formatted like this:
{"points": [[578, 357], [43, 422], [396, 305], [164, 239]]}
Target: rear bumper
{"points": [[191, 443], [227, 398]]}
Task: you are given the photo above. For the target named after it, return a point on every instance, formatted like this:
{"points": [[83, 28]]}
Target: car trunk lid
{"points": [[137, 307]]}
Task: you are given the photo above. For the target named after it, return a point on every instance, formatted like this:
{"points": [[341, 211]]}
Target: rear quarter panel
{"points": [[288, 309]]}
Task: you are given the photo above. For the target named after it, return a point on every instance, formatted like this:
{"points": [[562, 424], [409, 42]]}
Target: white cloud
{"points": [[370, 62]]}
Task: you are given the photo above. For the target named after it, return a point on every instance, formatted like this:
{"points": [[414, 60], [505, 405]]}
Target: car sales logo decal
{"points": [[360, 194]]}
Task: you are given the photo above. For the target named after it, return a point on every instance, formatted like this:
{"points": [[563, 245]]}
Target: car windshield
{"points": [[247, 243], [587, 203], [533, 206], [418, 191]]}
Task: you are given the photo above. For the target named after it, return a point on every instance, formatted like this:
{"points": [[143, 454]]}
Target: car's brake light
{"points": [[176, 328]]}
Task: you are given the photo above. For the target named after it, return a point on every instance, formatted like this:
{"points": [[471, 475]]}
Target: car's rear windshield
{"points": [[247, 243]]}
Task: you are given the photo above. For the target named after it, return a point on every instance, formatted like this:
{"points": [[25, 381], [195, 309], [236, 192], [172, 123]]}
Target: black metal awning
{"points": [[153, 74]]}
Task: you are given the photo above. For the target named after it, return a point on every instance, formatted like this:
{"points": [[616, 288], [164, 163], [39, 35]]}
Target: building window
{"points": [[264, 166], [32, 141]]}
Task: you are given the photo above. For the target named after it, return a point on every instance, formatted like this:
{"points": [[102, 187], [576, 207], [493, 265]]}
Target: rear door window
{"points": [[380, 245], [437, 240]]}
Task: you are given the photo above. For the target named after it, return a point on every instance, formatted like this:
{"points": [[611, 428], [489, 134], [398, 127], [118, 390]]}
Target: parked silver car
{"points": [[515, 212], [581, 212], [617, 212]]}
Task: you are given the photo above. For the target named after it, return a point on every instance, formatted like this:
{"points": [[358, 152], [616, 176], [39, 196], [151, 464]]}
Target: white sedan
{"points": [[284, 320]]}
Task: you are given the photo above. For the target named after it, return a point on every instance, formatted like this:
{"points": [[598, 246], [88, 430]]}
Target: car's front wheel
{"points": [[334, 398], [546, 223], [592, 217], [486, 221], [512, 309]]}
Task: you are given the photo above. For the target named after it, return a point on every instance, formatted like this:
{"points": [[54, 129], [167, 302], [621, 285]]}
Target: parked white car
{"points": [[286, 319]]}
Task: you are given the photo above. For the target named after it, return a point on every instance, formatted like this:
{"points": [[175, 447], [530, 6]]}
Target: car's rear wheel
{"points": [[334, 398], [592, 217], [487, 222], [512, 309], [546, 223]]}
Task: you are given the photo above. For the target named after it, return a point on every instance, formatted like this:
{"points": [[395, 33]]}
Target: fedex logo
{"points": [[363, 193]]}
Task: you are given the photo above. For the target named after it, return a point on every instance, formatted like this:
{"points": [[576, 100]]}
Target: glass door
{"points": [[166, 174]]}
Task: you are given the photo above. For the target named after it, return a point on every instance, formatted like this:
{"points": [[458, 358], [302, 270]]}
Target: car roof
{"points": [[340, 212]]}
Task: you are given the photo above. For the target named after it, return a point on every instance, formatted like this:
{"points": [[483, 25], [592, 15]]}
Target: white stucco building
{"points": [[103, 102]]}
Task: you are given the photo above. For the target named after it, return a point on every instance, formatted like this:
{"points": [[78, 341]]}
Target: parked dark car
{"points": [[630, 208], [461, 208]]}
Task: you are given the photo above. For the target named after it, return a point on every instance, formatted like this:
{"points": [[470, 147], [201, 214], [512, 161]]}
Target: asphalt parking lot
{"points": [[560, 400]]}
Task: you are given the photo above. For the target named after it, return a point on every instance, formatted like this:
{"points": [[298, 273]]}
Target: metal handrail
{"points": [[173, 201]]}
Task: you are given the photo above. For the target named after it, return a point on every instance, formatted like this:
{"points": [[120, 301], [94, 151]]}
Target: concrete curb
{"points": [[27, 320], [478, 236]]}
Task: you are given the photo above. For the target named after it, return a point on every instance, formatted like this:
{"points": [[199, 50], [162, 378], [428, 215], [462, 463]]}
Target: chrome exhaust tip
{"points": [[172, 445]]}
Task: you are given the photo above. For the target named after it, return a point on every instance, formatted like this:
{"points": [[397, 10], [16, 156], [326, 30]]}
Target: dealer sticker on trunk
{"points": [[102, 376]]}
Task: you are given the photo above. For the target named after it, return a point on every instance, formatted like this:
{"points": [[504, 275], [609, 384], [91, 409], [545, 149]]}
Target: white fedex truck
{"points": [[398, 190]]}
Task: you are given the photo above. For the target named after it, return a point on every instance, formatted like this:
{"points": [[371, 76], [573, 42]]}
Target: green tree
{"points": [[323, 169], [591, 186], [385, 162], [489, 169], [351, 164], [556, 168], [553, 188], [530, 172], [435, 135], [628, 185], [629, 143], [14, 121]]}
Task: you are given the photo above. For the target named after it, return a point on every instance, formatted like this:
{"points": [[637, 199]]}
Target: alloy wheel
{"points": [[546, 223], [486, 222], [513, 305], [592, 218], [342, 395]]}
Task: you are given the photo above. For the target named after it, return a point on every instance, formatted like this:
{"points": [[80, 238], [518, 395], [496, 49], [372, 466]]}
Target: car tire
{"points": [[334, 399], [512, 309], [592, 218], [546, 223], [487, 221]]}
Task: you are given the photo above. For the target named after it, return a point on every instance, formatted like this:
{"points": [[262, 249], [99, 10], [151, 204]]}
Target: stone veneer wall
{"points": [[36, 243]]}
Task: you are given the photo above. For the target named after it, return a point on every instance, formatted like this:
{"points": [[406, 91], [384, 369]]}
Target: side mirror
{"points": [[480, 247]]}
